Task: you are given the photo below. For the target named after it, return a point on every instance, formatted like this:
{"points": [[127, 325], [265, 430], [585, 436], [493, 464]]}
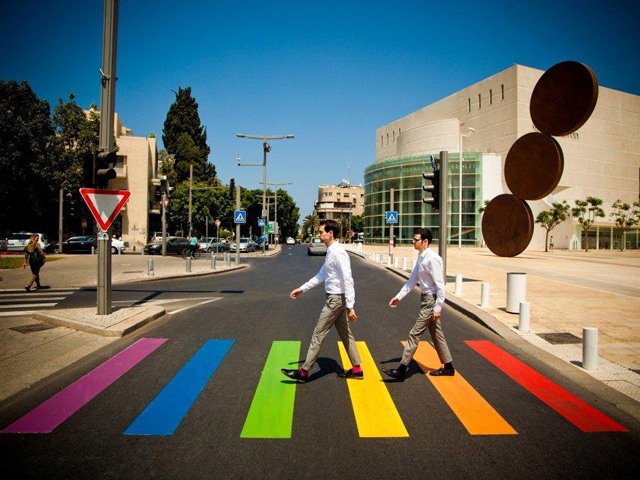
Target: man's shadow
{"points": [[324, 366], [412, 369]]}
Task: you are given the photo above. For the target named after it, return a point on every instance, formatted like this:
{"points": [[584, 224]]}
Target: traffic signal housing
{"points": [[433, 189], [105, 168]]}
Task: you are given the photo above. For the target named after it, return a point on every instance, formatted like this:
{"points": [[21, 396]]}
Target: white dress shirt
{"points": [[427, 274], [336, 274]]}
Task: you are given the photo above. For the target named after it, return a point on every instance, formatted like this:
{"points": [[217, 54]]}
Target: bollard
{"points": [[484, 295], [458, 289], [524, 317], [150, 271], [237, 259], [590, 348], [516, 291], [404, 264], [188, 264], [213, 261]]}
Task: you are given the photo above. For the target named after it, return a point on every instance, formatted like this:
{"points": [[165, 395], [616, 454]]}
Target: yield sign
{"points": [[104, 204]]}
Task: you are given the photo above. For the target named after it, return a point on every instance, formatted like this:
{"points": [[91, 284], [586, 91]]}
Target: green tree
{"points": [[550, 219], [586, 212], [288, 214], [310, 225], [186, 155], [183, 118], [26, 195], [625, 216], [168, 167], [357, 223]]}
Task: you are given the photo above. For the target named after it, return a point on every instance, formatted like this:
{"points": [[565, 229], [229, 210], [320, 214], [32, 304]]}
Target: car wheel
{"points": [[114, 250]]}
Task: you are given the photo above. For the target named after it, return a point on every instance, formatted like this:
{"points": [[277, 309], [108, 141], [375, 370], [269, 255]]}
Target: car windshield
{"points": [[316, 240], [20, 236]]}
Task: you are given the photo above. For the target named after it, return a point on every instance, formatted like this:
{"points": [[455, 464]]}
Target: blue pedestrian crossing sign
{"points": [[239, 216], [261, 222], [391, 217]]}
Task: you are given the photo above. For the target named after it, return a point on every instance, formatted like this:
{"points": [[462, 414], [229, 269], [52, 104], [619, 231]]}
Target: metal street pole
{"points": [[190, 190], [277, 228], [266, 148], [107, 109]]}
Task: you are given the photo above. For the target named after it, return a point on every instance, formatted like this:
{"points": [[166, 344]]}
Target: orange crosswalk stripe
{"points": [[475, 413]]}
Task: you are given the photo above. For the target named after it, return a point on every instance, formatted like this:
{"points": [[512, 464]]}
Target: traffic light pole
{"points": [[442, 244], [107, 143]]}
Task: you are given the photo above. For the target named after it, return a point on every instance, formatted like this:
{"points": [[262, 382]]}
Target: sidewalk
{"points": [[566, 290]]}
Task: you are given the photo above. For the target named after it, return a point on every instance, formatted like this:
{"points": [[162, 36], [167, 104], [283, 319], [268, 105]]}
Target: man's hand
{"points": [[437, 315], [296, 293], [393, 302], [351, 315]]}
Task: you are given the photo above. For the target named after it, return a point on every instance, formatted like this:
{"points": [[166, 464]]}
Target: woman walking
{"points": [[34, 255]]}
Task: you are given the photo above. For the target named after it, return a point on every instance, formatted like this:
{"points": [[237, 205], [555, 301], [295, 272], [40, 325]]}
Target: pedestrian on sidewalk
{"points": [[34, 256], [338, 283], [429, 275]]}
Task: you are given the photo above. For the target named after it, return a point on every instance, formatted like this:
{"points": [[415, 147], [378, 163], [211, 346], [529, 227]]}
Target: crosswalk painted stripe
{"points": [[575, 410], [475, 413], [271, 411], [51, 413], [165, 412], [375, 413]]}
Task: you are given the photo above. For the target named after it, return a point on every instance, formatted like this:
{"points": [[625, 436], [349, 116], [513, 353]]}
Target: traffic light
{"points": [[105, 168], [433, 189]]}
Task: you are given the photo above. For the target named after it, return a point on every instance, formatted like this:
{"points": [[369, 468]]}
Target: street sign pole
{"points": [[104, 273], [391, 243]]}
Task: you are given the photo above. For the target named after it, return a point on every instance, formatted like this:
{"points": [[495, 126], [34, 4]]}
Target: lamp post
{"points": [[275, 219], [470, 131], [266, 148]]}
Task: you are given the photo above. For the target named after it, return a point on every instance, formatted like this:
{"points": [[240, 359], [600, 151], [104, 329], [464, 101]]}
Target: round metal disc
{"points": [[533, 166], [564, 98], [507, 225]]}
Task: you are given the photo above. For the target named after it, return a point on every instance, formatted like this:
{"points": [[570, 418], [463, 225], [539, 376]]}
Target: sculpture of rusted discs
{"points": [[564, 98], [533, 166], [507, 225]]}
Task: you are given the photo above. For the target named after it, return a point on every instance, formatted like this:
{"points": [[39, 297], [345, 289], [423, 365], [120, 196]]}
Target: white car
{"points": [[246, 245], [117, 246], [17, 241], [291, 241]]}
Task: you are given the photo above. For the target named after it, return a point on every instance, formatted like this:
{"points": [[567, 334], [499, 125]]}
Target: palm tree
{"points": [[310, 225]]}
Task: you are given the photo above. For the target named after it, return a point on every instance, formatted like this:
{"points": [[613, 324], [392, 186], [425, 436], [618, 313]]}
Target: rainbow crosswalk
{"points": [[271, 413]]}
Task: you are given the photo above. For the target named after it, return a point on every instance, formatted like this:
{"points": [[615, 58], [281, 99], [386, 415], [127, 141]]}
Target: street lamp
{"points": [[266, 148], [470, 131], [276, 232]]}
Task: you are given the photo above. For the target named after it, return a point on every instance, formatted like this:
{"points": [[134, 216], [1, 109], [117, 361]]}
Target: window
{"points": [[479, 101], [469, 102], [490, 97], [502, 91]]}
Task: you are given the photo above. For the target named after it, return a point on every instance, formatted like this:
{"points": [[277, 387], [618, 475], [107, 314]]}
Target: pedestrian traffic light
{"points": [[105, 168], [433, 189]]}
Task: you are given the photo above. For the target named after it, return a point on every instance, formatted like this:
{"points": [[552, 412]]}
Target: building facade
{"points": [[339, 202], [601, 159], [136, 171]]}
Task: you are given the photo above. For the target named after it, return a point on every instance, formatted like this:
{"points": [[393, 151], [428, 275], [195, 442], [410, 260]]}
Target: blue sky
{"points": [[328, 72]]}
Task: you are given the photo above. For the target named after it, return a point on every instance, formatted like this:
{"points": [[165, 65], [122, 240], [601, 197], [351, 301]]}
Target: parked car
{"points": [[79, 244], [175, 246], [316, 247], [213, 244], [291, 241], [246, 245], [17, 241]]}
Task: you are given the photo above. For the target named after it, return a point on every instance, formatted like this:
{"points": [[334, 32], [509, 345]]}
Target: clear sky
{"points": [[329, 72]]}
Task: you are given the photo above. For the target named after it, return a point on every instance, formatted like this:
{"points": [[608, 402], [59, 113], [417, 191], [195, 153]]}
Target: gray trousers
{"points": [[425, 320], [333, 313]]}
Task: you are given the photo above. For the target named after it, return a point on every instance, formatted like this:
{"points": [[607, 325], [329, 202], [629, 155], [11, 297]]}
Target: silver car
{"points": [[246, 245], [316, 247], [17, 241]]}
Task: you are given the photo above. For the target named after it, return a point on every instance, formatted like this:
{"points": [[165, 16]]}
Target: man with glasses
{"points": [[428, 274], [338, 283]]}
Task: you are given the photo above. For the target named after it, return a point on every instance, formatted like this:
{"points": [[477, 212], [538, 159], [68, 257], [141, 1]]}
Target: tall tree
{"points": [[288, 214], [550, 219], [25, 135], [625, 216], [183, 118], [586, 212]]}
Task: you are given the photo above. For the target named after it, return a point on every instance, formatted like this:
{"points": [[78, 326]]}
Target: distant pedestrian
{"points": [[551, 242], [428, 274], [34, 256], [193, 245], [338, 283]]}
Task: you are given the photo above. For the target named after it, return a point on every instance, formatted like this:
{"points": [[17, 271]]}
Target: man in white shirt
{"points": [[428, 274], [338, 283]]}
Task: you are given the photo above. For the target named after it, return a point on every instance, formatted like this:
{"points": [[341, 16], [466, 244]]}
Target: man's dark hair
{"points": [[425, 234], [331, 226]]}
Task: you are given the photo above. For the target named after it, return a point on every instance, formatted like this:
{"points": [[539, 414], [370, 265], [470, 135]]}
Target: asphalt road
{"points": [[227, 334]]}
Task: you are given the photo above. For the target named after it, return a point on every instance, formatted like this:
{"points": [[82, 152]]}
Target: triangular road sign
{"points": [[104, 204]]}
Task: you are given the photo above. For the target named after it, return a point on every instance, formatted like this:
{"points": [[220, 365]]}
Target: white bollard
{"points": [[516, 291], [213, 261], [458, 289], [188, 263], [404, 264], [524, 317], [150, 271], [484, 295], [590, 348]]}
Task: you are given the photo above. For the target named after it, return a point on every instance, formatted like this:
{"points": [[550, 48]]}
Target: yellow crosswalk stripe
{"points": [[375, 413], [475, 413]]}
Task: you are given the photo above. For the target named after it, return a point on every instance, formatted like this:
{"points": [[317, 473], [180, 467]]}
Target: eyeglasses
{"points": [[417, 240]]}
